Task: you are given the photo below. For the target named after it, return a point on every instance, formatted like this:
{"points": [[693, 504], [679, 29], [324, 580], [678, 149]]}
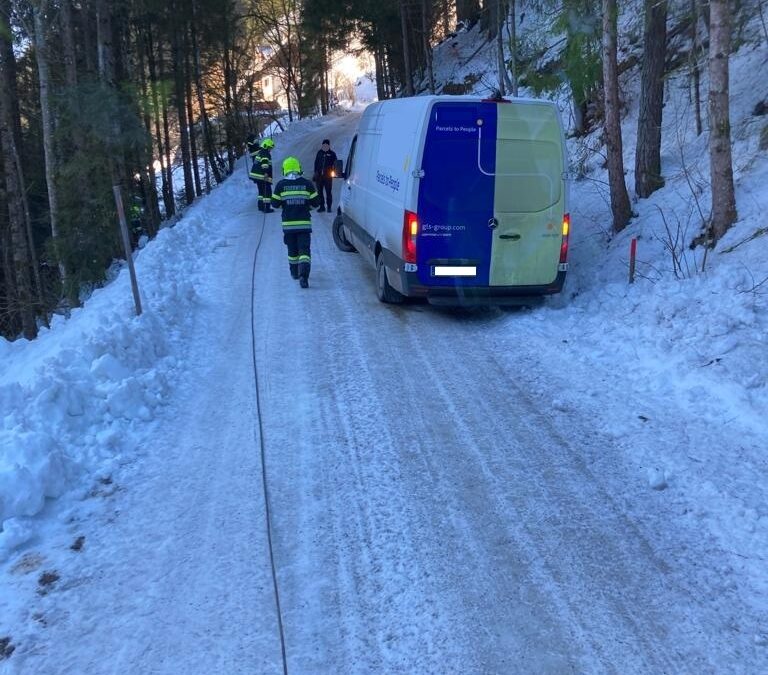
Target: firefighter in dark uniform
{"points": [[296, 195], [325, 163], [252, 145], [261, 173]]}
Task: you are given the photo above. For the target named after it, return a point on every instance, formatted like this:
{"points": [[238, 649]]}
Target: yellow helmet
{"points": [[268, 143], [291, 165]]}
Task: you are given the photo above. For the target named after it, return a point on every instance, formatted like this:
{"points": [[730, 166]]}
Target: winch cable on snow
{"points": [[267, 511]]}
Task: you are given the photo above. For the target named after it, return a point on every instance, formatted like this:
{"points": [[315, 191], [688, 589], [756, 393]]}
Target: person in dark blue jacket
{"points": [[294, 194], [325, 164]]}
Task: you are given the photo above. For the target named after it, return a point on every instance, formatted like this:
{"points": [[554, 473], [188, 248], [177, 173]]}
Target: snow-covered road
{"points": [[440, 502]]}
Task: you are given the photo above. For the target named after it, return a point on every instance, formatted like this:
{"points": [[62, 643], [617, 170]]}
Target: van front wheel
{"points": [[339, 238], [384, 291]]}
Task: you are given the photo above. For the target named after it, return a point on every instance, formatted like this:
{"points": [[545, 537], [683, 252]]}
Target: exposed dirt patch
{"points": [[106, 487], [46, 581], [6, 648], [78, 544], [29, 563]]}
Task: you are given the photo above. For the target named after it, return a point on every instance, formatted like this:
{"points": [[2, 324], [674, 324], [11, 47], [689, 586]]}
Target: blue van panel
{"points": [[455, 201]]}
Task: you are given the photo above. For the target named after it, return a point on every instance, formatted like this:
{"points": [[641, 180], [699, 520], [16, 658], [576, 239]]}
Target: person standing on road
{"points": [[261, 174], [295, 195], [252, 145], [325, 165]]}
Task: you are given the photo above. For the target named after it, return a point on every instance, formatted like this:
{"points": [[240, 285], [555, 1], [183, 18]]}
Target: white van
{"points": [[458, 199]]}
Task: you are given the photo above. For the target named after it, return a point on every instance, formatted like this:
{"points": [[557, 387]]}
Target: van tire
{"points": [[384, 291], [339, 238]]}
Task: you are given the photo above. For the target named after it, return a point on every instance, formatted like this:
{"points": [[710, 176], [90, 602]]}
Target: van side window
{"points": [[351, 158]]}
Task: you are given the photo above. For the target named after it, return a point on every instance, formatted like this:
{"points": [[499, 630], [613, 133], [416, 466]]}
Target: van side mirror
{"points": [[338, 169]]}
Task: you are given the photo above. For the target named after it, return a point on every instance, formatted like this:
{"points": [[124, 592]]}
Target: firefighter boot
{"points": [[304, 274]]}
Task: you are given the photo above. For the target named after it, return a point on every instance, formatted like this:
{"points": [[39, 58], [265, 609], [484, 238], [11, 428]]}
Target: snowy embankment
{"points": [[685, 347], [81, 399]]}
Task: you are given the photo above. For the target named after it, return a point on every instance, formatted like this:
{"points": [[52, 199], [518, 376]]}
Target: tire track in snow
{"points": [[383, 596]]}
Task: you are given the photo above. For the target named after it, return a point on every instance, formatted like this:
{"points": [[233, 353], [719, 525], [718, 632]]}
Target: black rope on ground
{"points": [[267, 511]]}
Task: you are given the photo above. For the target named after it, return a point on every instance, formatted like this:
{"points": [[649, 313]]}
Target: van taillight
{"points": [[410, 231], [566, 233]]}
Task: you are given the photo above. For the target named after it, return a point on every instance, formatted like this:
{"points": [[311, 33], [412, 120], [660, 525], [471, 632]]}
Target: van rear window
{"points": [[454, 185], [532, 175]]}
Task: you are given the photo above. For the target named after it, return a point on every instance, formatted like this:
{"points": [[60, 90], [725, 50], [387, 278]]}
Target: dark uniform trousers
{"points": [[265, 195], [299, 257], [325, 187]]}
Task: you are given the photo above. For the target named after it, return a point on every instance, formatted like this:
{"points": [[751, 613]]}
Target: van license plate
{"points": [[454, 271]]}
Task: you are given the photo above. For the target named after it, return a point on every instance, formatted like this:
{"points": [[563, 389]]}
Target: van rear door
{"points": [[529, 199], [455, 203], [491, 198]]}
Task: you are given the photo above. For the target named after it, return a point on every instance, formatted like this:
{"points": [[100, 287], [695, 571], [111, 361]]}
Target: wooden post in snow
{"points": [[127, 247]]}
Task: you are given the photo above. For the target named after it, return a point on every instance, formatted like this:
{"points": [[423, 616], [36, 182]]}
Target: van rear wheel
{"points": [[339, 238], [384, 291]]}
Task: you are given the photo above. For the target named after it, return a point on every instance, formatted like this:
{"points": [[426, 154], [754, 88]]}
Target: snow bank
{"points": [[78, 401]]}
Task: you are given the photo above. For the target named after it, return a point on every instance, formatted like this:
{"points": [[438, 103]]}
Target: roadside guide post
{"points": [[127, 247]]}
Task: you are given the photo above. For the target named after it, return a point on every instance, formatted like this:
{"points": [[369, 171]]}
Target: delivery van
{"points": [[458, 199]]}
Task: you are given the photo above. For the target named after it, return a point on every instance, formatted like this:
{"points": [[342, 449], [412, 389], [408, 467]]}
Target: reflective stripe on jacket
{"points": [[295, 195]]}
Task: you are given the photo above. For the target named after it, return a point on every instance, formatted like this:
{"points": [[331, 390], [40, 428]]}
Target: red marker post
{"points": [[632, 256]]}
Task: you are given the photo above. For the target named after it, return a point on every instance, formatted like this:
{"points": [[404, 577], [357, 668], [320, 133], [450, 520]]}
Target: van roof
{"points": [[416, 103]]}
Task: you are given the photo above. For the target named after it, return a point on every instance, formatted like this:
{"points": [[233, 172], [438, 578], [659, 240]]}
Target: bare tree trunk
{"points": [[390, 74], [228, 86], [191, 118], [207, 136], [87, 25], [378, 61], [68, 43], [149, 180], [620, 206], [409, 90], [10, 319], [513, 46], [181, 111], [467, 10], [696, 71], [155, 84], [166, 137], [426, 45], [8, 80], [24, 304], [721, 165], [648, 152], [505, 84], [106, 60], [47, 117], [104, 52]]}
